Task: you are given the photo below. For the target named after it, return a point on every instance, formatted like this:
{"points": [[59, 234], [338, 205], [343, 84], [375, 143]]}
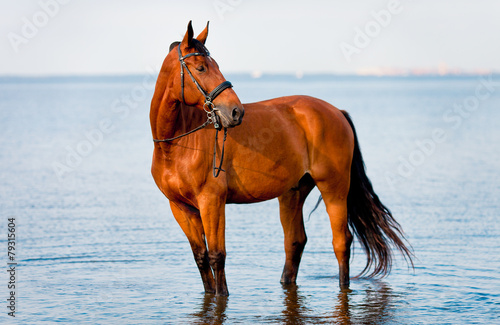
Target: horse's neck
{"points": [[163, 117], [176, 118], [168, 116]]}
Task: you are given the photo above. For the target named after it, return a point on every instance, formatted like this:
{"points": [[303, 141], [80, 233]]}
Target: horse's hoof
{"points": [[222, 293]]}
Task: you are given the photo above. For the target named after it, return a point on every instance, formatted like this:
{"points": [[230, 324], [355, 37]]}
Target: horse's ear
{"points": [[203, 35], [188, 38], [173, 45]]}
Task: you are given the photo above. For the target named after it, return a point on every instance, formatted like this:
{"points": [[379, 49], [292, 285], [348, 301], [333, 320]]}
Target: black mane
{"points": [[199, 47], [195, 44]]}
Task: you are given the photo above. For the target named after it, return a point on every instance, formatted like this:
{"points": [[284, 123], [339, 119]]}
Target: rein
{"points": [[208, 107]]}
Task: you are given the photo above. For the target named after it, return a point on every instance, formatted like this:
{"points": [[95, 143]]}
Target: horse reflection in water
{"points": [[294, 305], [373, 304], [374, 307], [212, 310]]}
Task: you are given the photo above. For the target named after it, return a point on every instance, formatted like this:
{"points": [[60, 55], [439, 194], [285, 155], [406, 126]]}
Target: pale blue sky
{"points": [[125, 36]]}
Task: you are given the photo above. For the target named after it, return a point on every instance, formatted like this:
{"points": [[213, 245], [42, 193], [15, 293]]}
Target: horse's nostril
{"points": [[236, 114]]}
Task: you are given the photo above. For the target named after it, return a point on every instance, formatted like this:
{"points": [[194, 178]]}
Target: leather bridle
{"points": [[208, 106]]}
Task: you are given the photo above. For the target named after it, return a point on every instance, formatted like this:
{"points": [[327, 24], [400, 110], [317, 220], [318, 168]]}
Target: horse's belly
{"points": [[251, 193], [261, 182]]}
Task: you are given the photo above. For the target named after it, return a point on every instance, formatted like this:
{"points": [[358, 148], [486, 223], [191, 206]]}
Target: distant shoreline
{"points": [[235, 75]]}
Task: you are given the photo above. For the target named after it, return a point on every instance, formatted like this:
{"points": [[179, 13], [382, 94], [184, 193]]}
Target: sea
{"points": [[86, 237]]}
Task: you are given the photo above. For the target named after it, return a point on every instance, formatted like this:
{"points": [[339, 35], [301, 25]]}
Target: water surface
{"points": [[97, 242]]}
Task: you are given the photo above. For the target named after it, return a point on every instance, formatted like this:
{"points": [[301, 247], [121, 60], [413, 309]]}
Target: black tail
{"points": [[371, 221]]}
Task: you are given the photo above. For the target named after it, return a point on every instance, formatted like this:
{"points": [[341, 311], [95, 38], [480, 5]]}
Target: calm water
{"points": [[96, 241]]}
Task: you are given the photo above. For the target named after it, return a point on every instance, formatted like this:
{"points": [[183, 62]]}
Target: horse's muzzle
{"points": [[231, 118]]}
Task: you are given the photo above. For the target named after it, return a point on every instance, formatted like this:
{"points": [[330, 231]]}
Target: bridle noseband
{"points": [[208, 107]]}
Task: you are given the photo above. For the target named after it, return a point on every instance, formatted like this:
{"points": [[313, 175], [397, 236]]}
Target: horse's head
{"points": [[198, 81]]}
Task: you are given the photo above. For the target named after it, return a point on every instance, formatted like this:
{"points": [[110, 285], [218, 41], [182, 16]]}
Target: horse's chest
{"points": [[176, 180]]}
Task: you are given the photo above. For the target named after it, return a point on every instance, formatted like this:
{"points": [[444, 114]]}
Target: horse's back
{"points": [[322, 125], [311, 113]]}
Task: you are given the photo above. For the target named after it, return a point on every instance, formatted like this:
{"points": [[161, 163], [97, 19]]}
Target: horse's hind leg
{"points": [[190, 221], [292, 220], [335, 198]]}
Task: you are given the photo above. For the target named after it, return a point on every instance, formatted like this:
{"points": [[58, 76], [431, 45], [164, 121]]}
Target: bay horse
{"points": [[281, 147]]}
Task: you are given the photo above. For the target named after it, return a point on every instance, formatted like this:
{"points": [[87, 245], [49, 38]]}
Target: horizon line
{"points": [[260, 74]]}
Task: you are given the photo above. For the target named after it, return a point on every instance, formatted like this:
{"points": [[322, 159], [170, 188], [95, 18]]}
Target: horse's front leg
{"points": [[212, 209], [190, 222]]}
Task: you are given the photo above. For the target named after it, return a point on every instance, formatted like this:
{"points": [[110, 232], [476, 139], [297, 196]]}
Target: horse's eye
{"points": [[201, 68]]}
